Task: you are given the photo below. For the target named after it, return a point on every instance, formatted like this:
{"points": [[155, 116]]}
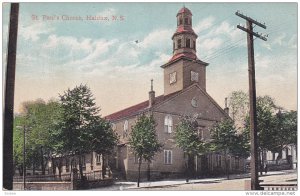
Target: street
{"points": [[236, 182]]}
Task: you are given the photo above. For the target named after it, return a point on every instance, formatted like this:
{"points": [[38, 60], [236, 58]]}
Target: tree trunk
{"points": [[226, 166], [33, 168], [103, 167], [188, 168], [139, 175], [80, 168], [148, 171], [53, 166], [20, 168], [42, 161]]}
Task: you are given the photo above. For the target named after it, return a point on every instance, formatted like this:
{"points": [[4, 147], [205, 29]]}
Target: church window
{"points": [[168, 124], [173, 77], [168, 157], [200, 133], [125, 130], [194, 45], [179, 43], [98, 159], [188, 43], [180, 21], [194, 76], [186, 21]]}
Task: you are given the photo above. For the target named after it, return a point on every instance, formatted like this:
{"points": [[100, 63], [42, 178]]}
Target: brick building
{"points": [[184, 94]]}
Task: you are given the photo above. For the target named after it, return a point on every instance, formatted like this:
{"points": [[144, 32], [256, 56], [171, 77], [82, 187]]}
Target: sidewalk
{"points": [[165, 183], [131, 186]]}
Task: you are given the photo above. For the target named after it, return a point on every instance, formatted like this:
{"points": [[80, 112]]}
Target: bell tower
{"points": [[184, 68]]}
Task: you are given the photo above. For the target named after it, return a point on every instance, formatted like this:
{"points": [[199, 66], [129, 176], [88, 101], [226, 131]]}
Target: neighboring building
{"points": [[184, 94], [287, 159]]}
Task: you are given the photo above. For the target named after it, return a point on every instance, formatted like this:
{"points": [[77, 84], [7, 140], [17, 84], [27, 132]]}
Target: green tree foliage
{"points": [[103, 139], [186, 137], [39, 119], [285, 131], [143, 140], [226, 140], [80, 116]]}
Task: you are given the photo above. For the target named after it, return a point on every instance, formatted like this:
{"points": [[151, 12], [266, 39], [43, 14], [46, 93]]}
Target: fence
{"points": [[44, 178], [64, 182]]}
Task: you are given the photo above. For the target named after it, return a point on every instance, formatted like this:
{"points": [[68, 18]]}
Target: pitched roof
{"points": [[137, 108]]}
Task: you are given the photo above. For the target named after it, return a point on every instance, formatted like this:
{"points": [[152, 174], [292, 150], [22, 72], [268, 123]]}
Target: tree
{"points": [[285, 132], [238, 107], [266, 126], [80, 116], [39, 119], [104, 139], [226, 140], [143, 141], [186, 137]]}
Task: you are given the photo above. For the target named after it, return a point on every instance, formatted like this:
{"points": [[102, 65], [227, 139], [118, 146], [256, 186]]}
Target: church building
{"points": [[184, 95]]}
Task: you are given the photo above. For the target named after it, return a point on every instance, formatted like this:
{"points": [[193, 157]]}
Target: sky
{"points": [[54, 55]]}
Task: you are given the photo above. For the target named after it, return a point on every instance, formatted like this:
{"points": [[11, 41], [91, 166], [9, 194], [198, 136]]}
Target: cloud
{"points": [[279, 39], [211, 43], [157, 39], [32, 32], [204, 24], [292, 43]]}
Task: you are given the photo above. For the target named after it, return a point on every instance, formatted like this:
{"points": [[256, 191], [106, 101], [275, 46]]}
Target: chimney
{"points": [[151, 95], [226, 109]]}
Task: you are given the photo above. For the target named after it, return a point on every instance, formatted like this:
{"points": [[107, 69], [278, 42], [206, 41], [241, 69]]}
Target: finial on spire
{"points": [[226, 102]]}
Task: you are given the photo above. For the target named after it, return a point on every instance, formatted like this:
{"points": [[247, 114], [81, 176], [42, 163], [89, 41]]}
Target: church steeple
{"points": [[184, 68], [184, 39]]}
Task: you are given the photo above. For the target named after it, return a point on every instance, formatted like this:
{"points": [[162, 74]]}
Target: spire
{"points": [[184, 38]]}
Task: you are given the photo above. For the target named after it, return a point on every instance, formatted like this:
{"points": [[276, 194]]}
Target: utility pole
{"points": [[252, 95], [9, 98]]}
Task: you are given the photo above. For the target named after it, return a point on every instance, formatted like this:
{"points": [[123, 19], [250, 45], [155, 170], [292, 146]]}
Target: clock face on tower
{"points": [[172, 77]]}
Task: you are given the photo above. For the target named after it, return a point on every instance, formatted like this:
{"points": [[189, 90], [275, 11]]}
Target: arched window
{"points": [[180, 21], [194, 45], [125, 131], [186, 21], [168, 124], [188, 43], [179, 43]]}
